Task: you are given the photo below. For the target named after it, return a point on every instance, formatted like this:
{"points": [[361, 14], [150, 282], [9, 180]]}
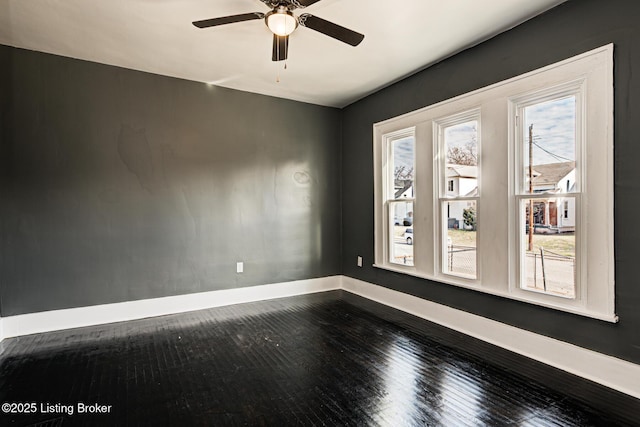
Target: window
{"points": [[548, 142], [458, 144], [399, 195], [498, 182]]}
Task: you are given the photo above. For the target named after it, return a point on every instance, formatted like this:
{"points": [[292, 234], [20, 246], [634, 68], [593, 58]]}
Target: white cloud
{"points": [[403, 152], [554, 124], [461, 134]]}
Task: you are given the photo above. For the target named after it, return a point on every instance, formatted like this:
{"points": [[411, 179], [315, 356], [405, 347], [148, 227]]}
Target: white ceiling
{"points": [[157, 36]]}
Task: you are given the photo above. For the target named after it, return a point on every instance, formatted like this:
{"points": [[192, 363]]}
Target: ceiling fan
{"points": [[282, 22]]}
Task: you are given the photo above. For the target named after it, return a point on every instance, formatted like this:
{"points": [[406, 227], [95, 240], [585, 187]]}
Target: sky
{"points": [[554, 124], [403, 152]]}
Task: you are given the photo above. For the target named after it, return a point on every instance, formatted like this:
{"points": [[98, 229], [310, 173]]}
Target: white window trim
{"points": [[517, 104], [387, 189], [497, 274], [439, 156]]}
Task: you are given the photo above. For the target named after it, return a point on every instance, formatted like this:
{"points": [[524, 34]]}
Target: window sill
{"points": [[449, 280]]}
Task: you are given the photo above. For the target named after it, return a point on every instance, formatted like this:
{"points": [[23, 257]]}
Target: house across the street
{"points": [[555, 214]]}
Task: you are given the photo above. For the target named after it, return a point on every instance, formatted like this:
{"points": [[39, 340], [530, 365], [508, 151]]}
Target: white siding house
{"points": [[557, 213], [403, 212], [461, 180]]}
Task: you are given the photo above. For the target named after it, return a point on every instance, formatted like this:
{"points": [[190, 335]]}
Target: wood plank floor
{"points": [[324, 359]]}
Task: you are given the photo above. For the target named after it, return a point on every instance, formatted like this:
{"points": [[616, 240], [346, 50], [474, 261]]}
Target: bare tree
{"points": [[465, 155], [403, 174]]}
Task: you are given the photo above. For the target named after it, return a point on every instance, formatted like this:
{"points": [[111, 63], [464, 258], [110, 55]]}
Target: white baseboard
{"points": [[606, 370], [47, 321]]}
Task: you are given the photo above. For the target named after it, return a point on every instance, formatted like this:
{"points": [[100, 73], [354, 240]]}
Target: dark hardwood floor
{"points": [[324, 359]]}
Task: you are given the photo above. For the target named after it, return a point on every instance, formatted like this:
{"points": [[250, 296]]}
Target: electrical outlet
{"points": [[240, 267], [359, 261]]}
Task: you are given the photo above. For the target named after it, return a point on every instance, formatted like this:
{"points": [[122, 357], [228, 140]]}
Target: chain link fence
{"points": [[462, 260]]}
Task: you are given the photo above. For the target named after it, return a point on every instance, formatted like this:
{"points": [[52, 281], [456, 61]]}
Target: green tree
{"points": [[469, 217]]}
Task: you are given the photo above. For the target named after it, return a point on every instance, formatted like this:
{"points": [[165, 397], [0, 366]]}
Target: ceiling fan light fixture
{"points": [[281, 21]]}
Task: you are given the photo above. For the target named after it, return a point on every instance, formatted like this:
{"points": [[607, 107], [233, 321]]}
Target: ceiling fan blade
{"points": [[330, 29], [280, 48], [205, 23], [302, 3]]}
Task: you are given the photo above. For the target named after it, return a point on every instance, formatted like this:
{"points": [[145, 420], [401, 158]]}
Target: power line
{"points": [[569, 133], [556, 156]]}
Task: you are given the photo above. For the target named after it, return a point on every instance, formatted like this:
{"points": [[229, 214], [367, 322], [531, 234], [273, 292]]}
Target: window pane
{"points": [[461, 148], [550, 249], [549, 146], [403, 167], [401, 233], [459, 247]]}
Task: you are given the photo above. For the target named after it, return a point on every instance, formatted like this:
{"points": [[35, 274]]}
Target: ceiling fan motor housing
{"points": [[281, 21]]}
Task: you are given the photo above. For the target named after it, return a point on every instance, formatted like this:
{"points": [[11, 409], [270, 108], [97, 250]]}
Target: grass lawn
{"points": [[462, 237], [398, 230], [562, 244]]}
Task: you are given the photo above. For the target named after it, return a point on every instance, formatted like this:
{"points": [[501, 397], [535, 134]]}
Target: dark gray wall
{"points": [[5, 117], [118, 185], [570, 29]]}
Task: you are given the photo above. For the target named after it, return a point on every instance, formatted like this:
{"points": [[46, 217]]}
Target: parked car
{"points": [[408, 236], [539, 229]]}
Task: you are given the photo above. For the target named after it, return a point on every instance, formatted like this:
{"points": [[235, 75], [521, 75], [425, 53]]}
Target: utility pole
{"points": [[531, 187]]}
